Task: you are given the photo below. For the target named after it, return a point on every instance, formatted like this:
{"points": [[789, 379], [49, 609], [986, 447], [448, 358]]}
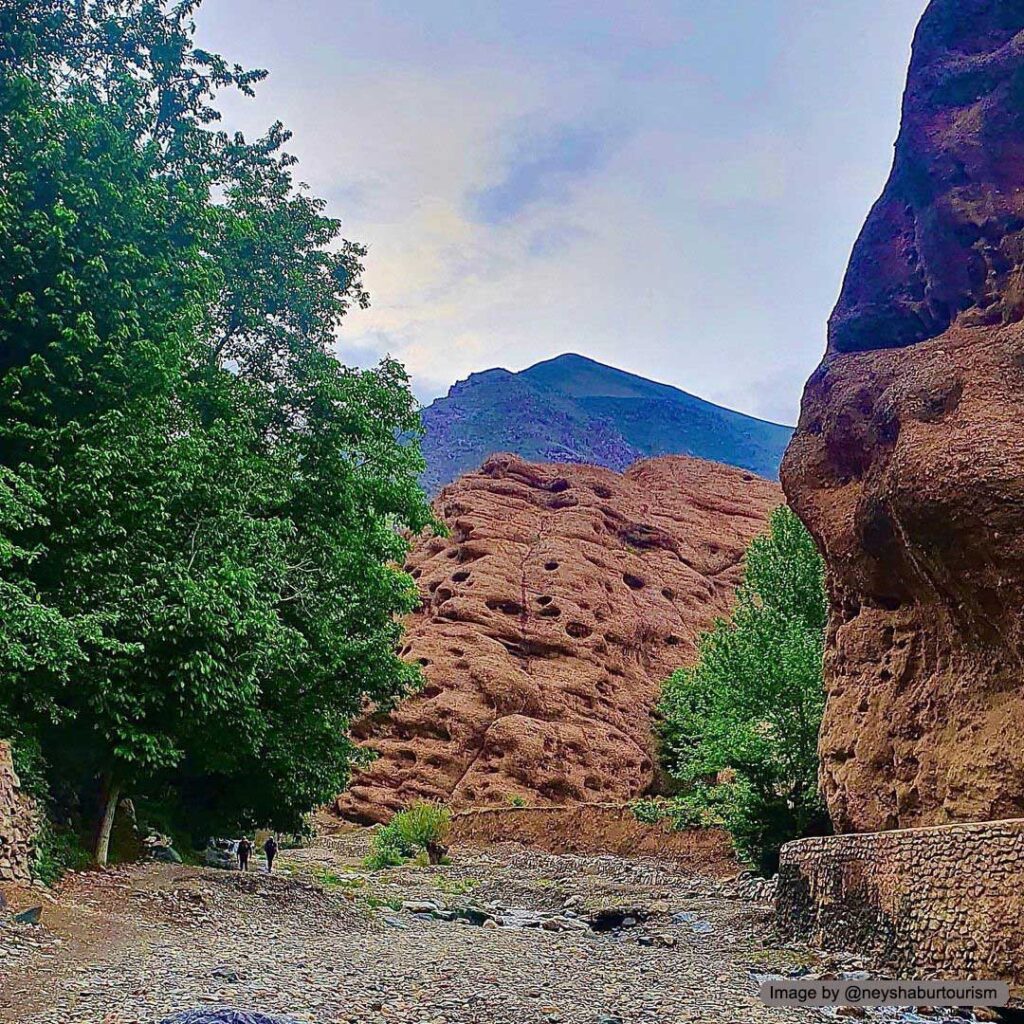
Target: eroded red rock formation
{"points": [[908, 462], [562, 597]]}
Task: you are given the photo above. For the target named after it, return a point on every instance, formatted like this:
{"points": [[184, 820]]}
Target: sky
{"points": [[668, 186]]}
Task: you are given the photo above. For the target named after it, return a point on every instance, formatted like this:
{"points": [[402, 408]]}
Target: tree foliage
{"points": [[747, 713], [201, 509]]}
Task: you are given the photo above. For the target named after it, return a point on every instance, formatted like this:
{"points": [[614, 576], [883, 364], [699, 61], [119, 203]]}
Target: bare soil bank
{"points": [[596, 829]]}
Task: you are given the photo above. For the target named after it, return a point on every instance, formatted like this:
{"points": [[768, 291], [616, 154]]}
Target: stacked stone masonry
{"points": [[17, 823], [940, 902]]}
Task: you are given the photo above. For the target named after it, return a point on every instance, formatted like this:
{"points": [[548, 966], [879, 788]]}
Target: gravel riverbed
{"points": [[324, 940]]}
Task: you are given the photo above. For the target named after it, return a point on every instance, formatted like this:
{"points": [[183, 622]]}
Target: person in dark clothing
{"points": [[244, 853], [270, 849]]}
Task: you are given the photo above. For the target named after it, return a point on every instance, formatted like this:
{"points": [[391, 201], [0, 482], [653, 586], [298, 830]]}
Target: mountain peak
{"points": [[571, 408]]}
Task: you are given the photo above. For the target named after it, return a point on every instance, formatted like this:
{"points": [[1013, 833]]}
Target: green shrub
{"points": [[424, 822], [515, 800], [698, 809], [408, 832], [746, 715], [57, 850]]}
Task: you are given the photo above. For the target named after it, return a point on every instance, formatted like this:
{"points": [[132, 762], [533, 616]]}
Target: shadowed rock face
{"points": [[562, 598], [908, 461]]}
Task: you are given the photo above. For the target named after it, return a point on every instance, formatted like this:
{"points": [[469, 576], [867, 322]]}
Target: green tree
{"points": [[201, 510], [746, 715]]}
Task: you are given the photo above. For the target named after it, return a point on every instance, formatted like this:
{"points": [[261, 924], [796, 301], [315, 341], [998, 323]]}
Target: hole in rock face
{"points": [[462, 665], [551, 611], [505, 607], [433, 586], [578, 630], [551, 566], [544, 600], [423, 661], [668, 593], [633, 582], [416, 573], [460, 577], [457, 651], [558, 486], [431, 691], [601, 491], [672, 641]]}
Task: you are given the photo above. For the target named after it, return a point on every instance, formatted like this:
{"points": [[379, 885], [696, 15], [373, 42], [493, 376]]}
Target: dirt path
{"points": [[325, 941]]}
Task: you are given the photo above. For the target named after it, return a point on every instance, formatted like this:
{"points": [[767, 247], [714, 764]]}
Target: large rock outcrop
{"points": [[908, 462], [562, 597]]}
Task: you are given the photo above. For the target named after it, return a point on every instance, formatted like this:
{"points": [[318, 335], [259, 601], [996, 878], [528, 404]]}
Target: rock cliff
{"points": [[562, 597], [908, 461]]}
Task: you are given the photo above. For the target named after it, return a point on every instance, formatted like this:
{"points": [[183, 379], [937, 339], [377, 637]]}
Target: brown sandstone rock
{"points": [[908, 462], [561, 599]]}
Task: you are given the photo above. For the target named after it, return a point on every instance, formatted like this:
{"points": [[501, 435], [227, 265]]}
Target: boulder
{"points": [[908, 460], [561, 599], [30, 916]]}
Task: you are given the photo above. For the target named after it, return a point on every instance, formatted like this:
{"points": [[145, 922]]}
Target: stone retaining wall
{"points": [[17, 823], [934, 902]]}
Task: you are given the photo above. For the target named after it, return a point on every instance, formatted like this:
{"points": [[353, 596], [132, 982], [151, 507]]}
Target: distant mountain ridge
{"points": [[575, 409]]}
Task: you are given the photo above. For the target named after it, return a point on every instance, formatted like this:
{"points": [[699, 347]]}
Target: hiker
{"points": [[270, 849], [244, 853]]}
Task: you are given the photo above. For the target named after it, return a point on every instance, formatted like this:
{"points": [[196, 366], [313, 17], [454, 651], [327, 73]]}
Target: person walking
{"points": [[244, 853], [270, 849]]}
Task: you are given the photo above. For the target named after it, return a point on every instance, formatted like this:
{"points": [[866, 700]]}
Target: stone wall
{"points": [[946, 901], [17, 822]]}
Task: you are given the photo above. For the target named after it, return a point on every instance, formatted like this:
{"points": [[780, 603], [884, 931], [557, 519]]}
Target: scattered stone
{"points": [[30, 916], [298, 945], [224, 1017]]}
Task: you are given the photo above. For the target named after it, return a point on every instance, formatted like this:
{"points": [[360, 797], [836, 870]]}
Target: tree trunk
{"points": [[111, 793]]}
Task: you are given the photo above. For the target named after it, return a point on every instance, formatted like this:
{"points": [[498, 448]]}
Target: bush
{"points": [[56, 850], [423, 824], [388, 849], [693, 810], [746, 715]]}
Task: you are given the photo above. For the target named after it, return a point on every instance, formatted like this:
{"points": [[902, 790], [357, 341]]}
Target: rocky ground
{"points": [[324, 940]]}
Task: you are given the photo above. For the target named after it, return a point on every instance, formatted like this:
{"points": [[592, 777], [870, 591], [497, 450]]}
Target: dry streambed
{"points": [[500, 935]]}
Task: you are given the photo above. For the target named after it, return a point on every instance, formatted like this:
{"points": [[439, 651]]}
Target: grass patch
{"points": [[330, 879], [376, 903], [455, 886]]}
